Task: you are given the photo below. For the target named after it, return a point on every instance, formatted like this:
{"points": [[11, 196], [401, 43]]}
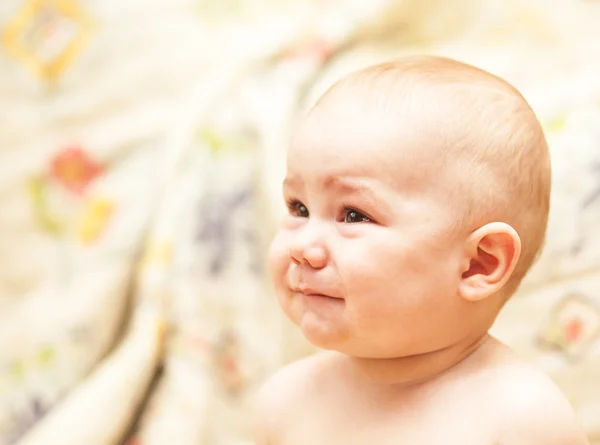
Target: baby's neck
{"points": [[416, 369]]}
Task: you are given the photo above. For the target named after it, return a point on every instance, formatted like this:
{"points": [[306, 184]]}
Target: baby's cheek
{"points": [[278, 258], [379, 274], [379, 261], [361, 270]]}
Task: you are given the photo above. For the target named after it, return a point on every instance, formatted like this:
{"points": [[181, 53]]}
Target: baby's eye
{"points": [[352, 216], [298, 209]]}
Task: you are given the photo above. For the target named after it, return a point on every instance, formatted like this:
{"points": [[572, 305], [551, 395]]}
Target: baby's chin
{"points": [[323, 334], [342, 339], [321, 320], [331, 341]]}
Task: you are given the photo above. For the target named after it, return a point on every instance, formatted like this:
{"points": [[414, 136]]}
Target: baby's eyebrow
{"points": [[292, 182], [346, 185], [357, 187]]}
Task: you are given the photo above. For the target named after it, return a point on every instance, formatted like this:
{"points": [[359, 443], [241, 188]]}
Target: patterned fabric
{"points": [[47, 35], [141, 162]]}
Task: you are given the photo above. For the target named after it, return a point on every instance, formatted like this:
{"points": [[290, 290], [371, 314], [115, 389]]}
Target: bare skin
{"points": [[373, 265], [489, 398]]}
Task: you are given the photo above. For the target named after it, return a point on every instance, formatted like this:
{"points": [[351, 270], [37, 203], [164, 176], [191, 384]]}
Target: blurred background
{"points": [[141, 156]]}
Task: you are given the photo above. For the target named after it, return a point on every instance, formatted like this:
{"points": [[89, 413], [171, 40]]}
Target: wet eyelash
{"points": [[295, 207], [347, 209], [293, 204]]}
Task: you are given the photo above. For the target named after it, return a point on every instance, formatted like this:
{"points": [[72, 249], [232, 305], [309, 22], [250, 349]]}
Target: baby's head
{"points": [[418, 196]]}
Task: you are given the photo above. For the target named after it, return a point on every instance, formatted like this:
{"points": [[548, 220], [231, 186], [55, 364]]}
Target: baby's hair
{"points": [[493, 147]]}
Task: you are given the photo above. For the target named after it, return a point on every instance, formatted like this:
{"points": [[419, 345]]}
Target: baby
{"points": [[418, 195]]}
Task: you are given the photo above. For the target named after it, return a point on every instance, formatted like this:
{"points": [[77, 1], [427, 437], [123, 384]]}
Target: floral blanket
{"points": [[141, 162]]}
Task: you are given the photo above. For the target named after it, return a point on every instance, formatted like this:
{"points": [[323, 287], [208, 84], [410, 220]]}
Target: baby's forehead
{"points": [[368, 131], [368, 110], [326, 147]]}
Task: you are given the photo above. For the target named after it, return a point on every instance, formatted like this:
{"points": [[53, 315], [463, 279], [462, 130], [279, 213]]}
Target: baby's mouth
{"points": [[314, 293]]}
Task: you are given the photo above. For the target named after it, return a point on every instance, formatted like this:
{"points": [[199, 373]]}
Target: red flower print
{"points": [[75, 169], [573, 330]]}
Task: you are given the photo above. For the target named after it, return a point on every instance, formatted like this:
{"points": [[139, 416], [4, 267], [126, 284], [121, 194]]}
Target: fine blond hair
{"points": [[490, 137]]}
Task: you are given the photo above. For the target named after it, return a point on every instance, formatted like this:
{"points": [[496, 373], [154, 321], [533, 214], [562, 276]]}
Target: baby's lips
{"points": [[314, 291]]}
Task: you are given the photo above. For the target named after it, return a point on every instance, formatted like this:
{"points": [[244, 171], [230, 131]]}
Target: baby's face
{"points": [[364, 262]]}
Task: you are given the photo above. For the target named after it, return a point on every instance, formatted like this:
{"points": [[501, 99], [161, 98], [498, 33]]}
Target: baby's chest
{"points": [[416, 427]]}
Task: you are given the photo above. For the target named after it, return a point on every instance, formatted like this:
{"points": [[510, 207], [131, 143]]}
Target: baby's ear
{"points": [[492, 253]]}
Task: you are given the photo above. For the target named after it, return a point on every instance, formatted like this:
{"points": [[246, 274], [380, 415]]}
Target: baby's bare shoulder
{"points": [[291, 382], [529, 408], [285, 393]]}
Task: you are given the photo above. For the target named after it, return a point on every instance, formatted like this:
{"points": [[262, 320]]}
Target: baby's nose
{"points": [[313, 255]]}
